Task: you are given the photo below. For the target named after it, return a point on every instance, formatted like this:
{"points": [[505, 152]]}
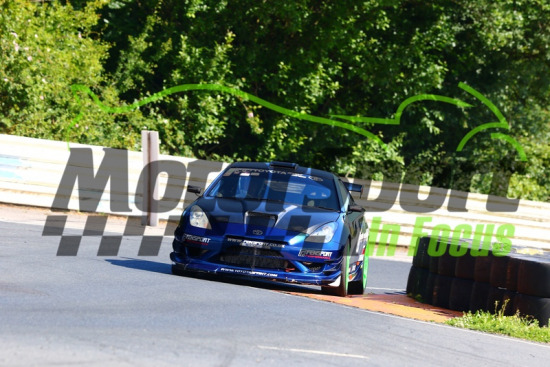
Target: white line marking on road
{"points": [[314, 352]]}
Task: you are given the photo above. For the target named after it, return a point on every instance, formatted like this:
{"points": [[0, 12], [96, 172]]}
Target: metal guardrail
{"points": [[31, 172]]}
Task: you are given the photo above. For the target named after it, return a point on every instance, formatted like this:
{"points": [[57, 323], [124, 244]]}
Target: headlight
{"points": [[323, 234], [198, 218]]}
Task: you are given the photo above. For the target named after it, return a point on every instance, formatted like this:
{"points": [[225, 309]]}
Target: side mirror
{"points": [[354, 187], [356, 208], [194, 189]]}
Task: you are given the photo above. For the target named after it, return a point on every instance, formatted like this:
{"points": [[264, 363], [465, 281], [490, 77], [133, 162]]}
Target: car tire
{"points": [[358, 286], [341, 290]]}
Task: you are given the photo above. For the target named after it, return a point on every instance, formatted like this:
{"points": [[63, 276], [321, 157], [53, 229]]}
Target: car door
{"points": [[355, 223]]}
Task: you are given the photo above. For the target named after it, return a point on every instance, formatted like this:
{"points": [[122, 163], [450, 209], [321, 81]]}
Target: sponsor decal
{"points": [[249, 272], [256, 244], [259, 244], [257, 171], [196, 239], [318, 254], [362, 240], [313, 178]]}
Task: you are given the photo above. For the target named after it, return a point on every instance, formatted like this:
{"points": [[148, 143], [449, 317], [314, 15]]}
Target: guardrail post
{"points": [[150, 149]]}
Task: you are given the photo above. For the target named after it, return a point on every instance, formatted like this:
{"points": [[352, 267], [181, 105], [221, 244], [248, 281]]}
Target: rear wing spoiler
{"points": [[354, 187]]}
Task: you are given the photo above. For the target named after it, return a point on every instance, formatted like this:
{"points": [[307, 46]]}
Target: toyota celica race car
{"points": [[276, 221]]}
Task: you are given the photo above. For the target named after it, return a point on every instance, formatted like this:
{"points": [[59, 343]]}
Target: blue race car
{"points": [[276, 221]]}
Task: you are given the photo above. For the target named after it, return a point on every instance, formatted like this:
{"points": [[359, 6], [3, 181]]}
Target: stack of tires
{"points": [[463, 277]]}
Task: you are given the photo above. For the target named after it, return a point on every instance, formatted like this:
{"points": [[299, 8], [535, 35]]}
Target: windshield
{"points": [[278, 186]]}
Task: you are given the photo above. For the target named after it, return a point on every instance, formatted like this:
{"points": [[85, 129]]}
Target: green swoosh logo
{"points": [[220, 88], [513, 142], [502, 123], [396, 120]]}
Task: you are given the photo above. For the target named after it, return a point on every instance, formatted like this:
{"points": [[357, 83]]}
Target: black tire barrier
{"points": [[447, 263], [509, 299], [442, 290], [465, 266], [499, 268], [434, 264], [534, 276], [512, 272], [417, 282], [479, 298], [501, 300], [421, 258], [482, 268], [461, 292], [411, 282], [427, 294], [468, 277], [536, 307]]}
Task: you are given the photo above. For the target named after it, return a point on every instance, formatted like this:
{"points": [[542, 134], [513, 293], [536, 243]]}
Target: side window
{"points": [[344, 194]]}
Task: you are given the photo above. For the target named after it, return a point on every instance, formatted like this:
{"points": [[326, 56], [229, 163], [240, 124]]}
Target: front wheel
{"points": [[358, 286], [341, 290]]}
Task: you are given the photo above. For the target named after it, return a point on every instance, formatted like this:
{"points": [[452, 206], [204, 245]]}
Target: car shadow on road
{"points": [[164, 268], [146, 265]]}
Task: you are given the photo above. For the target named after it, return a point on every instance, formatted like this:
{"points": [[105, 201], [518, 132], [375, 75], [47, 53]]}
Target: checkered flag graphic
{"points": [[110, 244]]}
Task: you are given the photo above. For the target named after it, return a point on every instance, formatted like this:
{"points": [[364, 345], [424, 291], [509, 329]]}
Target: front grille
{"points": [[248, 257]]}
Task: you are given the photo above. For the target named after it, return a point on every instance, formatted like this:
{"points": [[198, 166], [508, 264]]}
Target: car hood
{"points": [[264, 215]]}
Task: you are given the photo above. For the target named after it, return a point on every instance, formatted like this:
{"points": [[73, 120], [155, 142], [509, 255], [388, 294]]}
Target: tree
{"points": [[47, 47], [353, 58]]}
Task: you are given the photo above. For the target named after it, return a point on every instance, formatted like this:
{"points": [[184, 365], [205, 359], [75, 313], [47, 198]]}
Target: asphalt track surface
{"points": [[129, 310]]}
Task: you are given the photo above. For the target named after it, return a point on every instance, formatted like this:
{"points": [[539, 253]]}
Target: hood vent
{"points": [[257, 219]]}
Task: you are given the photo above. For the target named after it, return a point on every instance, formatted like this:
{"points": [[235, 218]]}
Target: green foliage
{"points": [[46, 48], [514, 326], [359, 58]]}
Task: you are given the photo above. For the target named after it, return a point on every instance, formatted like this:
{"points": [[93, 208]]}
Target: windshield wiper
{"points": [[276, 201], [325, 208]]}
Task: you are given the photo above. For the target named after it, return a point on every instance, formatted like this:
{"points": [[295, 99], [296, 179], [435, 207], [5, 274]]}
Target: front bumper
{"points": [[329, 274]]}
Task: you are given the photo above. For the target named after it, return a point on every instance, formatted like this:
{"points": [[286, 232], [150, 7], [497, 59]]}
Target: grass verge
{"points": [[514, 326]]}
